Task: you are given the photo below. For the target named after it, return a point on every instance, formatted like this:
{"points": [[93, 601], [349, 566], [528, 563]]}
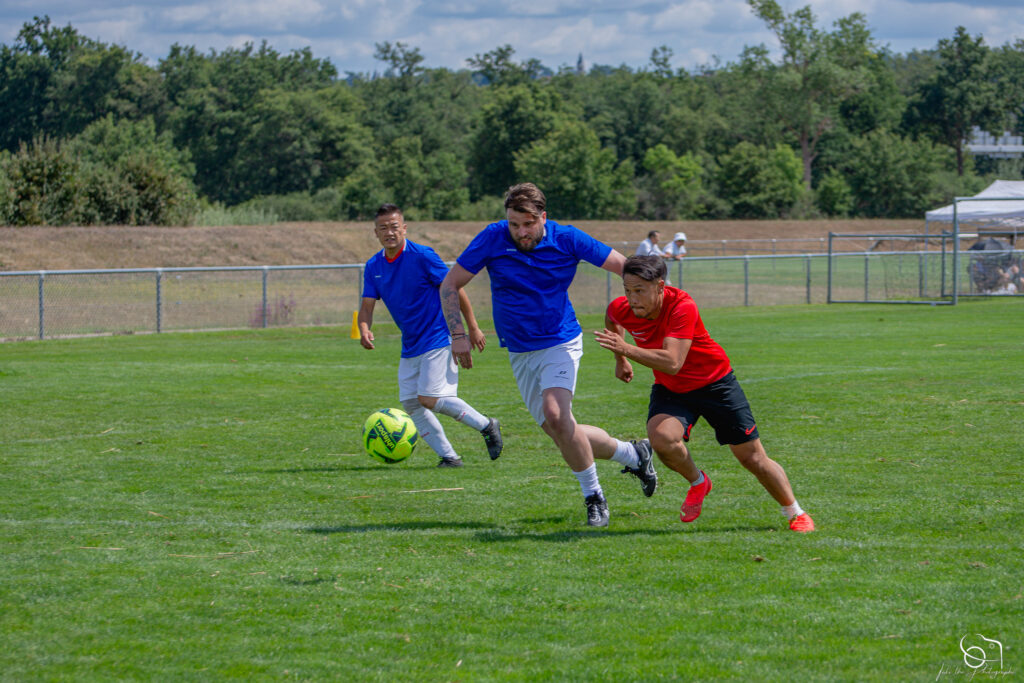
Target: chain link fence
{"points": [[66, 303]]}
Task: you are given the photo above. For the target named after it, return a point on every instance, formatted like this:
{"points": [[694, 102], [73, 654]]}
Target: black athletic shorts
{"points": [[722, 403]]}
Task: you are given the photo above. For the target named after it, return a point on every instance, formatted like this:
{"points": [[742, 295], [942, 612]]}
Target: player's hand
{"points": [[477, 339], [461, 351], [366, 339], [611, 341], [623, 369]]}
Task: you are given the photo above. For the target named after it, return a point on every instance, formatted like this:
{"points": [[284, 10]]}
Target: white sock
{"points": [[700, 479], [429, 428], [588, 481], [791, 511], [455, 407], [625, 454]]}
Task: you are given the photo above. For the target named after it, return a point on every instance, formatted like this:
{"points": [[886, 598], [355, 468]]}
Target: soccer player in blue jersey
{"points": [[531, 262], [406, 277]]}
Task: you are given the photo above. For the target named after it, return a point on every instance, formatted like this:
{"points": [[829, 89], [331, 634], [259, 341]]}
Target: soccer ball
{"points": [[389, 435]]}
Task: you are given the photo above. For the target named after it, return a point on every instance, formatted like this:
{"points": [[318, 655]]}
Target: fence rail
{"points": [[62, 303]]}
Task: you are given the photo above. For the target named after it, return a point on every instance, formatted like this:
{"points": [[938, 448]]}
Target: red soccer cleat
{"points": [[802, 523], [690, 509]]}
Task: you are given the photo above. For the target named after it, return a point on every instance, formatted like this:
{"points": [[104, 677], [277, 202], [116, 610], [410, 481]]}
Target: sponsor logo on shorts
{"points": [[749, 431]]}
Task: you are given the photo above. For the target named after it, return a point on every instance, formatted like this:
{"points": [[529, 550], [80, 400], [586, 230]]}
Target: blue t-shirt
{"points": [[530, 291], [408, 287]]}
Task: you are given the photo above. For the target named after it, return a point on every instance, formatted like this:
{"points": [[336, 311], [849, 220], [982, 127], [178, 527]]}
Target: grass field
{"points": [[195, 506]]}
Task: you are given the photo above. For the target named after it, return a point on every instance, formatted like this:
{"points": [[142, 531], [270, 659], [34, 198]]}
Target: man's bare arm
{"points": [[476, 336], [614, 263], [457, 278], [668, 359]]}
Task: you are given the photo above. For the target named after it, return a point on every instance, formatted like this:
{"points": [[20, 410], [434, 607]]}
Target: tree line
{"points": [[833, 125]]}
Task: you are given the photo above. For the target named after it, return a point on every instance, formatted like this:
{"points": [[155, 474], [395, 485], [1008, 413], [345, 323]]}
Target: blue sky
{"points": [[447, 32]]}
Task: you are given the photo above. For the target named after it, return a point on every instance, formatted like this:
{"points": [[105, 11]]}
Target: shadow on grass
{"points": [[568, 535], [494, 533], [365, 467], [400, 526]]}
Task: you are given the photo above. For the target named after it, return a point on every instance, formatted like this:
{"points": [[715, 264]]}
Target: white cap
{"points": [[679, 236]]}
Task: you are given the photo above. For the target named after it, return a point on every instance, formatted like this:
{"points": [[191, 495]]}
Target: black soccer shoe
{"points": [[492, 437], [645, 472], [597, 510], [450, 462]]}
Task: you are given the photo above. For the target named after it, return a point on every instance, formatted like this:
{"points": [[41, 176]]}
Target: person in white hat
{"points": [[677, 248]]}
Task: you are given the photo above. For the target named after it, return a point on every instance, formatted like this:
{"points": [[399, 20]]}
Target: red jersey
{"points": [[678, 319]]}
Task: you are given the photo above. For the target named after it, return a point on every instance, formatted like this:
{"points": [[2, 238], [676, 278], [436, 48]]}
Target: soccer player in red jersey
{"points": [[692, 378]]}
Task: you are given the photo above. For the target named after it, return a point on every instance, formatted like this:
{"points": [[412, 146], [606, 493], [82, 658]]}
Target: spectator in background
{"points": [[677, 248], [649, 247]]}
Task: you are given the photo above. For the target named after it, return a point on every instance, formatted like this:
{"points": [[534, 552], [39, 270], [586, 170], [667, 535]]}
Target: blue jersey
{"points": [[408, 286], [530, 291]]}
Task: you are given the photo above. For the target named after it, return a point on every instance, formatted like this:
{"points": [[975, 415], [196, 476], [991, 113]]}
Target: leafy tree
{"points": [[511, 121], [362, 192], [835, 197], [580, 179], [760, 182], [43, 187], [404, 62], [130, 175], [27, 71], [672, 185], [498, 68], [1008, 73], [96, 80], [818, 72], [893, 176], [213, 100], [962, 94], [298, 141]]}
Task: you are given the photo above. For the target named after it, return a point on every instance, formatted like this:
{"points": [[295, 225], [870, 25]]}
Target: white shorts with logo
{"points": [[433, 373], [536, 371]]}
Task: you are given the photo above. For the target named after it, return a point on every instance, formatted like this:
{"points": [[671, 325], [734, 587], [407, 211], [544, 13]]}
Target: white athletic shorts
{"points": [[433, 373], [536, 371]]}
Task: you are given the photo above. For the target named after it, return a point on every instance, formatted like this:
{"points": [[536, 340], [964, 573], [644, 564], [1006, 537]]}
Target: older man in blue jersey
{"points": [[531, 262], [406, 276]]}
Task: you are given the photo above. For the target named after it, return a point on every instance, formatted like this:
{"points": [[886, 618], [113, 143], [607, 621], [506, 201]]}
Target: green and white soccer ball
{"points": [[389, 435]]}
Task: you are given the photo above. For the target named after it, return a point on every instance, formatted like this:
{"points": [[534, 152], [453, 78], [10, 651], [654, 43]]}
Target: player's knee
{"points": [[664, 443], [427, 402], [751, 457], [559, 421], [411, 405]]}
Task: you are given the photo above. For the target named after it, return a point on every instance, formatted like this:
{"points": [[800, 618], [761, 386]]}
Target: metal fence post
{"points": [[679, 272], [807, 269], [866, 276], [265, 269], [828, 291], [159, 300], [921, 274], [607, 288], [42, 308], [359, 281], [746, 281]]}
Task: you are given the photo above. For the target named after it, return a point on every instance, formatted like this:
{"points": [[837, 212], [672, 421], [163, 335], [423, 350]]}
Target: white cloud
{"points": [[448, 32]]}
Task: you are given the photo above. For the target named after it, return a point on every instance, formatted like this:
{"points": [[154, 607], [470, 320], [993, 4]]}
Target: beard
{"points": [[530, 245]]}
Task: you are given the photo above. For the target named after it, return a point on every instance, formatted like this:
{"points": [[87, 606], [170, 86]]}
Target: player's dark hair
{"points": [[650, 268], [387, 210], [652, 233], [525, 198]]}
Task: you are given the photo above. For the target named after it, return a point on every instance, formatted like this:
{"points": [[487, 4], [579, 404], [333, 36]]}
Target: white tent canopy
{"points": [[999, 211]]}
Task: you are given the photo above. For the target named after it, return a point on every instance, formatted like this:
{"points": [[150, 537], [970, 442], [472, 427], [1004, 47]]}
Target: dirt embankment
{"points": [[44, 248]]}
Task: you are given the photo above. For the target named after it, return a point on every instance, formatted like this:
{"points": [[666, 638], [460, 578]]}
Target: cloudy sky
{"points": [[447, 32]]}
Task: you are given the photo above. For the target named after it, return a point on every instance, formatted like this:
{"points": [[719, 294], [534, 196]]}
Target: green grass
{"points": [[195, 506]]}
